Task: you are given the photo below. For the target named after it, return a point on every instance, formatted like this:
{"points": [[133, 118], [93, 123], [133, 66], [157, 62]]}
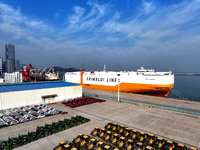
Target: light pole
{"points": [[118, 91], [35, 75]]}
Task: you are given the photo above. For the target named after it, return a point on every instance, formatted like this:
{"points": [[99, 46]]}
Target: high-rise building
{"points": [[17, 65], [10, 58], [1, 65], [4, 67]]}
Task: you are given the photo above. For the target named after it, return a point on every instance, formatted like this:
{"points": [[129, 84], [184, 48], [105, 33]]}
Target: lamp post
{"points": [[35, 74], [118, 91]]}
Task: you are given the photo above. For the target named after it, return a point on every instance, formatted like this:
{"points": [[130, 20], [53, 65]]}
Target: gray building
{"points": [[17, 65], [10, 58], [1, 65]]}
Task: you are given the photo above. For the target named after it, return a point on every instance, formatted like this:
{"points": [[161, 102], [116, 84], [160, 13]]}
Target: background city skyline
{"points": [[88, 34], [10, 58]]}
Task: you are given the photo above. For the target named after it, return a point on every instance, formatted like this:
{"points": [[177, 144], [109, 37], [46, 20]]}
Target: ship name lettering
{"points": [[111, 80], [94, 79], [149, 79], [103, 79]]}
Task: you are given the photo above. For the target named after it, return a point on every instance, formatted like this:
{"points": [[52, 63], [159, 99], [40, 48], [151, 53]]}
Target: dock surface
{"points": [[151, 100], [175, 126]]}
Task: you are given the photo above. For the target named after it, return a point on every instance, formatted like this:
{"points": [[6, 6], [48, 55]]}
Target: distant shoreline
{"points": [[187, 74]]}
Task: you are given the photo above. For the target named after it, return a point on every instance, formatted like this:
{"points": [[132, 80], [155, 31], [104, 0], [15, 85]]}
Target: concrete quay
{"points": [[151, 100], [175, 126]]}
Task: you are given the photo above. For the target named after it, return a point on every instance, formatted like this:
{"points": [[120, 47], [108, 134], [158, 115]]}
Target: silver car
{"points": [[3, 123]]}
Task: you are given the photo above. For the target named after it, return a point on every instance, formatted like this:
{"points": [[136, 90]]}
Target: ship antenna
{"points": [[104, 67], [170, 71]]}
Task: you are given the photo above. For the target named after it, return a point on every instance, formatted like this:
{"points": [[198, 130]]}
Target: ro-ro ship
{"points": [[144, 81]]}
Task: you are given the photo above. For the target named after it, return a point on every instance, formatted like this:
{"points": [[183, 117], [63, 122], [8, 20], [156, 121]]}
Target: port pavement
{"points": [[175, 126], [151, 100]]}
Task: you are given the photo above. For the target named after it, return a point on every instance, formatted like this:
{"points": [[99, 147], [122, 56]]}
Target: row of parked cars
{"points": [[24, 114]]}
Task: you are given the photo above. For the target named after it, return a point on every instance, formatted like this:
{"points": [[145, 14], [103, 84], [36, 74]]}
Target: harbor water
{"points": [[186, 87]]}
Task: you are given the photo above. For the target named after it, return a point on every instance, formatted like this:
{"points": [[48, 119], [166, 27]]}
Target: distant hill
{"points": [[62, 70]]}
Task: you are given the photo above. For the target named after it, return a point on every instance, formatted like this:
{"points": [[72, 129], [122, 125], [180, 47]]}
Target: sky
{"points": [[123, 34]]}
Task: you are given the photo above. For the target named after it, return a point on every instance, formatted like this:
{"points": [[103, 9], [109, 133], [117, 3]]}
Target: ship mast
{"points": [[104, 68]]}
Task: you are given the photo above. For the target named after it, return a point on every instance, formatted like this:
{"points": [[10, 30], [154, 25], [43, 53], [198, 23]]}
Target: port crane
{"points": [[38, 70], [26, 73], [43, 71], [49, 70]]}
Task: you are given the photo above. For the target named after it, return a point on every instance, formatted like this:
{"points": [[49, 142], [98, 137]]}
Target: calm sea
{"points": [[186, 87]]}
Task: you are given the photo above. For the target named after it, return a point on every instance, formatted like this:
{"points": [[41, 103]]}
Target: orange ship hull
{"points": [[156, 90]]}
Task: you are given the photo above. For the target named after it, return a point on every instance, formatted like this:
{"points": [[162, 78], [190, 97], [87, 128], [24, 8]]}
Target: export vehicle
{"points": [[34, 113], [15, 116], [26, 115], [10, 120], [3, 123], [2, 113]]}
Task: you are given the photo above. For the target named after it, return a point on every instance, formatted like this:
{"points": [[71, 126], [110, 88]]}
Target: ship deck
{"points": [[172, 125]]}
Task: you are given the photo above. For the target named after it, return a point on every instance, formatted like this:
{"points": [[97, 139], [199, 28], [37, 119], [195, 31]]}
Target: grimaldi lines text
{"points": [[144, 81]]}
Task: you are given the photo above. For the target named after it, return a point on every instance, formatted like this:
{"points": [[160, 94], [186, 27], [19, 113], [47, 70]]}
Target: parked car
{"points": [[23, 114], [26, 115], [34, 113], [3, 123], [2, 113], [9, 120]]}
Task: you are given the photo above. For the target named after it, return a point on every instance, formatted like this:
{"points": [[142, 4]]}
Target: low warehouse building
{"points": [[15, 95]]}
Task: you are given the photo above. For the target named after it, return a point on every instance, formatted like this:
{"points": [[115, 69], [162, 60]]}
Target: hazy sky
{"points": [[124, 34]]}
